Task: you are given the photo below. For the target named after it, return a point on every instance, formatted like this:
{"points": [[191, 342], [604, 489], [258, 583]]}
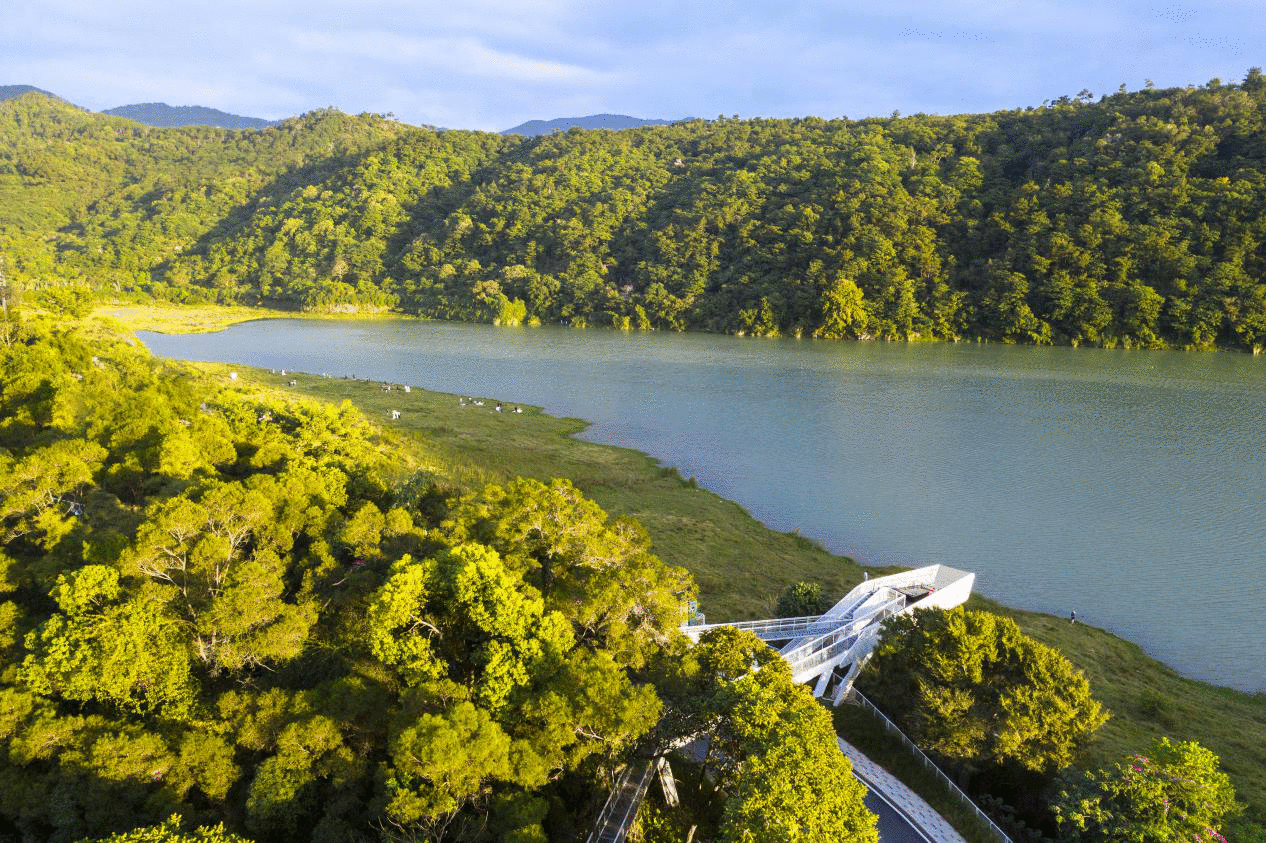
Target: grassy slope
{"points": [[1149, 699], [741, 565], [202, 319]]}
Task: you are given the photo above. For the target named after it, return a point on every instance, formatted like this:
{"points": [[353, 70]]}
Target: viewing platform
{"points": [[829, 649]]}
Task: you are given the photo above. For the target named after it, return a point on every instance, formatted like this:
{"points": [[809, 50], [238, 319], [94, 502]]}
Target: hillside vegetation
{"points": [[240, 606], [1135, 220]]}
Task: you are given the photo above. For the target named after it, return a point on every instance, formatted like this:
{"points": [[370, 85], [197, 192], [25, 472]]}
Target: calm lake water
{"points": [[1129, 486]]}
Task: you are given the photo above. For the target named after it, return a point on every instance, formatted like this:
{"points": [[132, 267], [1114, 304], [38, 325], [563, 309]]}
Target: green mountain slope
{"points": [[104, 201], [1136, 220]]}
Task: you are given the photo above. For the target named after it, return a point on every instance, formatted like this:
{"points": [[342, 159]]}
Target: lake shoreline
{"points": [[209, 318], [1149, 696], [213, 319]]}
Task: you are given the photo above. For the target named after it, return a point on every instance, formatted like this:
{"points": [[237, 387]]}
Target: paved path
{"points": [[911, 806]]}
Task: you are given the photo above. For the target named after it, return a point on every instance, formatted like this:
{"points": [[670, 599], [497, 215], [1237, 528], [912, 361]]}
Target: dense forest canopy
{"points": [[262, 611], [229, 614], [1134, 220]]}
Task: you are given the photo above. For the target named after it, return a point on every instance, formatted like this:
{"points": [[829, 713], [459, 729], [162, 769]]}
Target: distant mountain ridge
{"points": [[896, 228], [167, 116], [8, 92], [593, 121]]}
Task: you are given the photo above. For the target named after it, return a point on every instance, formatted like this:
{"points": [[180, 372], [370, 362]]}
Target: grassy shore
{"points": [[741, 565], [1149, 699], [208, 318]]}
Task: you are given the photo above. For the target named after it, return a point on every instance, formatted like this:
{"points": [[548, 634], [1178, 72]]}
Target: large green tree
{"points": [[598, 571], [773, 750], [99, 647], [495, 687], [1174, 793], [970, 687]]}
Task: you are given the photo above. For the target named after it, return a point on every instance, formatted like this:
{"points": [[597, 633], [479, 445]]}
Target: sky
{"points": [[491, 64]]}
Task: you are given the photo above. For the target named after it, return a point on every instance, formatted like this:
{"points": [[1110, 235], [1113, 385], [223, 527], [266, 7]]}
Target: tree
{"points": [[844, 313], [802, 599], [442, 761], [285, 788], [798, 788], [496, 690], [1176, 793], [773, 748], [466, 618], [39, 492], [104, 647], [972, 688], [169, 831], [599, 573], [218, 554]]}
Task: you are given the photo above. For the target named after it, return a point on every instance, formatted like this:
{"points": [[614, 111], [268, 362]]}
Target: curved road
{"points": [[905, 818], [893, 828]]}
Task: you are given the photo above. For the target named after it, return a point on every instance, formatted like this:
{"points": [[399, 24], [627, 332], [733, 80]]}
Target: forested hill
{"points": [[1136, 220]]}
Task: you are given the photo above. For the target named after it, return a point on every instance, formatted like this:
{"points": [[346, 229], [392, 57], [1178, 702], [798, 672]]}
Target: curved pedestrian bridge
{"points": [[829, 649]]}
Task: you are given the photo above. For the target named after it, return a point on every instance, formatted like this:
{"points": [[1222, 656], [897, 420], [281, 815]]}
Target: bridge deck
{"points": [[621, 807]]}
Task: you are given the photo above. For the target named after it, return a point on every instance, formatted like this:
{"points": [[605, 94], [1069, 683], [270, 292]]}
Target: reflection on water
{"points": [[1125, 485]]}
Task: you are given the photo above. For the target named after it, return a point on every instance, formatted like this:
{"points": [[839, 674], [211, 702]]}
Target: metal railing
{"points": [[844, 627], [954, 789], [819, 661], [776, 628], [621, 806], [849, 602], [845, 651]]}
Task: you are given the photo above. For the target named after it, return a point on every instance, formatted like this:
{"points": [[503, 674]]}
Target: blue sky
{"points": [[490, 64]]}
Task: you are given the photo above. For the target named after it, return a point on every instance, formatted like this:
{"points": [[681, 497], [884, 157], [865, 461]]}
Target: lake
{"points": [[1129, 486]]}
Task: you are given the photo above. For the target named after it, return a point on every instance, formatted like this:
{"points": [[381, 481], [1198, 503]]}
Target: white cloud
{"points": [[492, 63], [461, 56]]}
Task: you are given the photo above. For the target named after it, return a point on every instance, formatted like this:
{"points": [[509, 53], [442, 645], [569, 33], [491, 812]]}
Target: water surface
{"points": [[1128, 486]]}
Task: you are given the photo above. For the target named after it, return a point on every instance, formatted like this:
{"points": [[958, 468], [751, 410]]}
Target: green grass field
{"points": [[741, 566]]}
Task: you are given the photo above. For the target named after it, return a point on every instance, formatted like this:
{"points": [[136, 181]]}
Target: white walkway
{"points": [[829, 649], [905, 801]]}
